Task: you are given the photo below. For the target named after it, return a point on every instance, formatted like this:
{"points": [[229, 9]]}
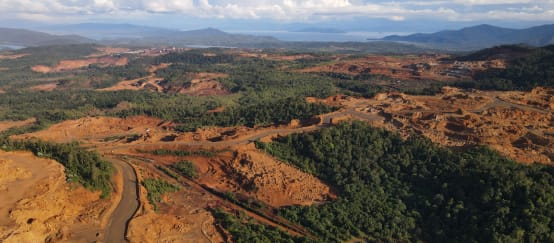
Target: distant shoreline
{"points": [[296, 36], [10, 47]]}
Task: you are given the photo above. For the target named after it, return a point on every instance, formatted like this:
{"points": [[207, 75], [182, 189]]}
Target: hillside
{"points": [[481, 36], [526, 68], [33, 38]]}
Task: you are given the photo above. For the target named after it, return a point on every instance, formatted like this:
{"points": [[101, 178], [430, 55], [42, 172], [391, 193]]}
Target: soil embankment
{"points": [[39, 205]]}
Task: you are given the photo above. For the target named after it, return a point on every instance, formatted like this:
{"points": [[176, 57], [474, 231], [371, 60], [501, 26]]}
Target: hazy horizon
{"points": [[275, 15]]}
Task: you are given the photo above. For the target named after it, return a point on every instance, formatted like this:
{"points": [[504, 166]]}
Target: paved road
{"points": [[117, 226]]}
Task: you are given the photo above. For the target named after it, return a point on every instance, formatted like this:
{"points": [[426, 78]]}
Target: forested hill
{"points": [[22, 37], [526, 68], [481, 36], [395, 190]]}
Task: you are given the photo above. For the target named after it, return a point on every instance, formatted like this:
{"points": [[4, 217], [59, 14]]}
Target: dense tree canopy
{"points": [[412, 190]]}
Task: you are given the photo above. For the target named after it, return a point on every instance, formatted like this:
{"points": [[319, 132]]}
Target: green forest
{"points": [[81, 166], [245, 230], [530, 68], [397, 190]]}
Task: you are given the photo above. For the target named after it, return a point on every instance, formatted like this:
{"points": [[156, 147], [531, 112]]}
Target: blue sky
{"points": [[381, 15]]}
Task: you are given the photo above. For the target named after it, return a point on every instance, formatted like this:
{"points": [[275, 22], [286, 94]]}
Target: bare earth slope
{"points": [[38, 205]]}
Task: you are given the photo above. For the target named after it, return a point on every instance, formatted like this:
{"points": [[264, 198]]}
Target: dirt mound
{"points": [[67, 65], [252, 173], [37, 204], [90, 128], [276, 183], [204, 84]]}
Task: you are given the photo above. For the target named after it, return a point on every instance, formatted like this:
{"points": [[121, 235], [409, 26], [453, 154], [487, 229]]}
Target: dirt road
{"points": [[117, 226], [116, 229], [326, 118]]}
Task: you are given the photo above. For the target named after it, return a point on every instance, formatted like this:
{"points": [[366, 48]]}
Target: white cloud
{"points": [[397, 10], [490, 2]]}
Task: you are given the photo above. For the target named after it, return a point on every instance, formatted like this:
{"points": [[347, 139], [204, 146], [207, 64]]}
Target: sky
{"points": [[352, 15]]}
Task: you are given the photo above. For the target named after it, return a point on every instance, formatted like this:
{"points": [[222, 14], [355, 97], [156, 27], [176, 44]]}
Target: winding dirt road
{"points": [[116, 229], [326, 122]]}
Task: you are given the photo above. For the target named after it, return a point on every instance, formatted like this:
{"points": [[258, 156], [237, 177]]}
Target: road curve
{"points": [[116, 229]]}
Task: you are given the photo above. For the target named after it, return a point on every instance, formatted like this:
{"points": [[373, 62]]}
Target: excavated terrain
{"points": [[98, 128], [38, 204], [182, 217], [238, 167], [407, 68], [204, 84], [66, 65], [201, 84], [517, 124], [5, 125]]}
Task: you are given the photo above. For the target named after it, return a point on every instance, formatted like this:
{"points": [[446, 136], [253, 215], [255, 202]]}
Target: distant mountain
{"points": [[202, 37], [481, 36], [109, 31], [505, 52], [320, 30], [144, 35], [22, 37], [133, 35]]}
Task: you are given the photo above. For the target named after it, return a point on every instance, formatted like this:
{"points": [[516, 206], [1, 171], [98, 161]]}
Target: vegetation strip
{"points": [[81, 166]]}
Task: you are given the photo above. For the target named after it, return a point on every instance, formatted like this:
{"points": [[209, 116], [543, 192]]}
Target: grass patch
{"points": [[156, 188], [186, 168], [168, 172]]}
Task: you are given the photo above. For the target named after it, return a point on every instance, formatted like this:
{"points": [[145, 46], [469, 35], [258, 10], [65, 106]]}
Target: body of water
{"points": [[12, 47], [324, 37]]}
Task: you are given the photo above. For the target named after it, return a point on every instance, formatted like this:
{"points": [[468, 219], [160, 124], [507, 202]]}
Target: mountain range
{"points": [[466, 39], [22, 37], [145, 35], [480, 36], [123, 34]]}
